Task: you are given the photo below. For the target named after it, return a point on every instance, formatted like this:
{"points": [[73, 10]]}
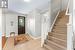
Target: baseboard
{"points": [[34, 37], [29, 35]]}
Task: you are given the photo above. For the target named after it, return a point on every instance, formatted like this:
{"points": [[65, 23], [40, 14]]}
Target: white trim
{"points": [[34, 37], [0, 28], [68, 8], [69, 29], [69, 37], [54, 21]]}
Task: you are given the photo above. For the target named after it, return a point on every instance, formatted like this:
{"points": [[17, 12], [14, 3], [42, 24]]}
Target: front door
{"points": [[21, 25]]}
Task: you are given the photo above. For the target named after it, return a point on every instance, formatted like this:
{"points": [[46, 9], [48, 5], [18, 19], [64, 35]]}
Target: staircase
{"points": [[57, 38]]}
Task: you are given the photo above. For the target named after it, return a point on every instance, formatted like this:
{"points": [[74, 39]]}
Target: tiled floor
{"points": [[30, 45]]}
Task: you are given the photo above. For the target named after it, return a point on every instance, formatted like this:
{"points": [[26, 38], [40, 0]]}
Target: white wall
{"points": [[45, 21], [74, 27], [73, 4], [64, 4], [33, 24], [9, 28], [74, 16], [55, 7], [3, 24], [30, 23], [37, 23], [0, 21], [7, 19]]}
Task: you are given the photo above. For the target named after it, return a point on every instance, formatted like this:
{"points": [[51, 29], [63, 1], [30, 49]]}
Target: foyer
{"points": [[37, 25]]}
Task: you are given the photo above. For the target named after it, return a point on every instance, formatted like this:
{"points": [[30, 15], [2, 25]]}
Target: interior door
{"points": [[21, 25]]}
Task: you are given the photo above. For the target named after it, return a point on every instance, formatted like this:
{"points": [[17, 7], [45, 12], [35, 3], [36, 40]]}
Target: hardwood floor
{"points": [[3, 41], [30, 45]]}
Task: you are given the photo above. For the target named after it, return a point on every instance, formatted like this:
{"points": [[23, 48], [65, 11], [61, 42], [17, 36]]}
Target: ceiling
{"points": [[25, 7]]}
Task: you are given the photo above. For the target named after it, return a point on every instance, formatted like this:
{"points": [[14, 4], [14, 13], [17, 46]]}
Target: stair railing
{"points": [[54, 21], [69, 27]]}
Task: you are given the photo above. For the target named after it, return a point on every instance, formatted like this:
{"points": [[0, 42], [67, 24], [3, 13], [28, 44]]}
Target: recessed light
{"points": [[27, 0]]}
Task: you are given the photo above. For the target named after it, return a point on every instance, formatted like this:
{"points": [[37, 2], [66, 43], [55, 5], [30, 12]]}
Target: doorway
{"points": [[21, 25]]}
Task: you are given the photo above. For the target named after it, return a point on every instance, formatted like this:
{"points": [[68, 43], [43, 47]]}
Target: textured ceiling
{"points": [[24, 7]]}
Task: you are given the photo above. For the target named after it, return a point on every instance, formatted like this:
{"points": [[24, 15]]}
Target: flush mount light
{"points": [[26, 0]]}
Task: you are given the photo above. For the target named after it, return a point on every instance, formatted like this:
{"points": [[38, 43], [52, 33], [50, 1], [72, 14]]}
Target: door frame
{"points": [[18, 24]]}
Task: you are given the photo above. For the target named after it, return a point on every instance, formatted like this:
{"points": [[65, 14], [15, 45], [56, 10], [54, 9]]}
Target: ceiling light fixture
{"points": [[27, 0]]}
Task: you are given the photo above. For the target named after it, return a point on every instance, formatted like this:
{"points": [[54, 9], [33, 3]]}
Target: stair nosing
{"points": [[56, 44], [57, 38], [60, 30], [59, 34]]}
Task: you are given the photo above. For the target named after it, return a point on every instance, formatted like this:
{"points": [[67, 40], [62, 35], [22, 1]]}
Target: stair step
{"points": [[57, 36], [63, 34], [60, 46], [60, 28], [58, 41], [64, 30], [64, 41], [56, 29], [62, 20], [63, 23], [64, 17], [48, 47], [59, 31], [59, 21], [52, 47], [60, 25], [55, 45]]}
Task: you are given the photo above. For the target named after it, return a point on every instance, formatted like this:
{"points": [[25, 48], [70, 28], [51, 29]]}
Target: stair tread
{"points": [[60, 33], [58, 39], [63, 39], [57, 34], [60, 46], [59, 30], [48, 47], [60, 26]]}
